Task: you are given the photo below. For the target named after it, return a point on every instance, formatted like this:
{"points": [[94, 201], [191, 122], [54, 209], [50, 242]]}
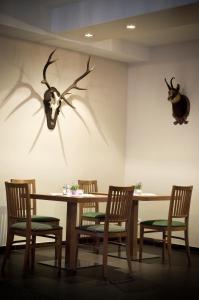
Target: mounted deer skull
{"points": [[180, 103], [53, 98]]}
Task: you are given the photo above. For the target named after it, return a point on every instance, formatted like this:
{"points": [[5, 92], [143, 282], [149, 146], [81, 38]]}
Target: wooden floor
{"points": [[152, 279]]}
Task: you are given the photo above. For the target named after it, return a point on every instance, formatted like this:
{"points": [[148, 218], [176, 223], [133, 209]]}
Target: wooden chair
{"points": [[89, 211], [178, 220], [20, 224], [118, 209], [34, 217]]}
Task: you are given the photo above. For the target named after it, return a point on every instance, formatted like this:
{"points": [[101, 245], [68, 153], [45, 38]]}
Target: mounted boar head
{"points": [[53, 98], [180, 103]]}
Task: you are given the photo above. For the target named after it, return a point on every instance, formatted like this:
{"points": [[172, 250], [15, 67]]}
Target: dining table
{"points": [[72, 202]]}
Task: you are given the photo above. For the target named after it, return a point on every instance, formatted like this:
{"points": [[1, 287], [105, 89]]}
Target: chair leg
{"points": [[33, 252], [169, 246], [27, 255], [163, 246], [186, 235], [120, 241], [96, 240], [9, 253], [105, 257], [57, 224], [58, 246], [96, 245], [119, 246], [128, 256], [141, 242], [56, 254], [76, 251], [10, 238]]}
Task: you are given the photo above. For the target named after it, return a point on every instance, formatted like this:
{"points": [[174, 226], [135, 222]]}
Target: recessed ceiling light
{"points": [[88, 35], [130, 26]]}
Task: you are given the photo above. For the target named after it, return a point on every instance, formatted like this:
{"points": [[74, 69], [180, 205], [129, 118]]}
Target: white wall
{"points": [[159, 153], [88, 146]]}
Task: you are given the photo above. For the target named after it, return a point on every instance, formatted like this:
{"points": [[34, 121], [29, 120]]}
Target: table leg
{"points": [[134, 230], [70, 234]]}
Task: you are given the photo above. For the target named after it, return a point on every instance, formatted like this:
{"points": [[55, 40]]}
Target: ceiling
{"points": [[63, 23]]}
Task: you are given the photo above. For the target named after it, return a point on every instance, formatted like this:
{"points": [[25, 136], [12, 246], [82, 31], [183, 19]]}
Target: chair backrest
{"points": [[119, 204], [180, 202], [89, 186], [18, 203], [32, 189]]}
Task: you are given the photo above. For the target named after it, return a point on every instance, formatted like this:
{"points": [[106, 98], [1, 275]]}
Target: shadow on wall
{"points": [[34, 95], [3, 225]]}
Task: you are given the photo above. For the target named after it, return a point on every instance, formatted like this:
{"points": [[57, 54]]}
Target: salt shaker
{"points": [[68, 191], [64, 189]]}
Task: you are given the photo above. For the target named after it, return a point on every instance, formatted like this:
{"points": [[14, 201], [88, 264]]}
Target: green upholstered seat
{"points": [[100, 228], [34, 226], [38, 218], [162, 223], [94, 214]]}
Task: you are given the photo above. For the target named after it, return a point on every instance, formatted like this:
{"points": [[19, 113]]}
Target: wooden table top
{"points": [[95, 197], [70, 198]]}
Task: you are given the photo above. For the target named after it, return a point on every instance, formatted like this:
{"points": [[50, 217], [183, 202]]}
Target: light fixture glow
{"points": [[130, 26], [88, 35]]}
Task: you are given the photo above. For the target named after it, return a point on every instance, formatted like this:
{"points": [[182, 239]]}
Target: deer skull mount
{"points": [[180, 103], [53, 98]]}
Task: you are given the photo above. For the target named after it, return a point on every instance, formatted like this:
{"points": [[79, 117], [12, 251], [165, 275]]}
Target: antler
{"points": [[171, 84], [74, 84], [167, 84], [49, 62]]}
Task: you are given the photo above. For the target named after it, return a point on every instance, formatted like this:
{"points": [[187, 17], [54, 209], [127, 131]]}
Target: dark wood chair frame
{"points": [[18, 211], [178, 209], [118, 210]]}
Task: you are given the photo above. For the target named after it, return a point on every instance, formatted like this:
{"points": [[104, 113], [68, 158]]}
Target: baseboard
{"points": [[39, 245], [155, 242], [147, 241], [22, 246]]}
